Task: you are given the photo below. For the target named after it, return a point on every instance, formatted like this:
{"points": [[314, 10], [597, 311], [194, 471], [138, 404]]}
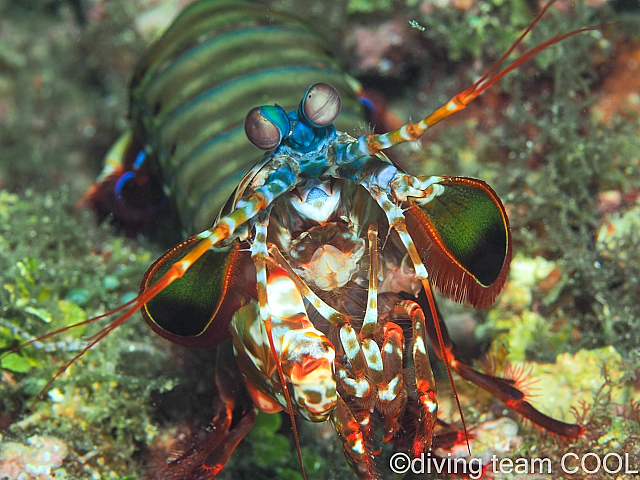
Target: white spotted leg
{"points": [[397, 222]]}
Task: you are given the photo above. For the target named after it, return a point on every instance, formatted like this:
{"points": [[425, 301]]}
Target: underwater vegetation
{"points": [[557, 139]]}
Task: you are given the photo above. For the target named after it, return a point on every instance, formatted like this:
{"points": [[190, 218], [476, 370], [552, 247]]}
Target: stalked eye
{"points": [[266, 126], [320, 105]]}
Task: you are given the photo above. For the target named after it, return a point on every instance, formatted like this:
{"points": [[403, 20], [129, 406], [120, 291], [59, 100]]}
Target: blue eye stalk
{"points": [[268, 127]]}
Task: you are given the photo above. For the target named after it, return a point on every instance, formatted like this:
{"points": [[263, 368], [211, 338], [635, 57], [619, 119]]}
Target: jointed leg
{"points": [[503, 389], [425, 383]]}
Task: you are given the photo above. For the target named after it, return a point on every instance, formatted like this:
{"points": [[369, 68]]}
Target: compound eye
{"points": [[266, 126], [320, 105]]}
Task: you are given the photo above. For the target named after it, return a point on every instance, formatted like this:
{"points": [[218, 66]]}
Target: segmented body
{"points": [[319, 269], [191, 91], [355, 352]]}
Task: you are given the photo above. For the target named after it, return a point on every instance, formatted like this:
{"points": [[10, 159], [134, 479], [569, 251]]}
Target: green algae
{"points": [[46, 251], [462, 32], [549, 160], [368, 6]]}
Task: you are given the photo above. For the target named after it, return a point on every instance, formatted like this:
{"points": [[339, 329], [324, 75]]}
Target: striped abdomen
{"points": [[193, 88]]}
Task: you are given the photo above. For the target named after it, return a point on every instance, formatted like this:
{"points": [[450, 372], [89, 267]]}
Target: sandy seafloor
{"points": [[558, 141]]}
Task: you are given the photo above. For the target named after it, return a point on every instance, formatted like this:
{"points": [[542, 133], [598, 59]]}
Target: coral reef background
{"points": [[558, 140]]}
